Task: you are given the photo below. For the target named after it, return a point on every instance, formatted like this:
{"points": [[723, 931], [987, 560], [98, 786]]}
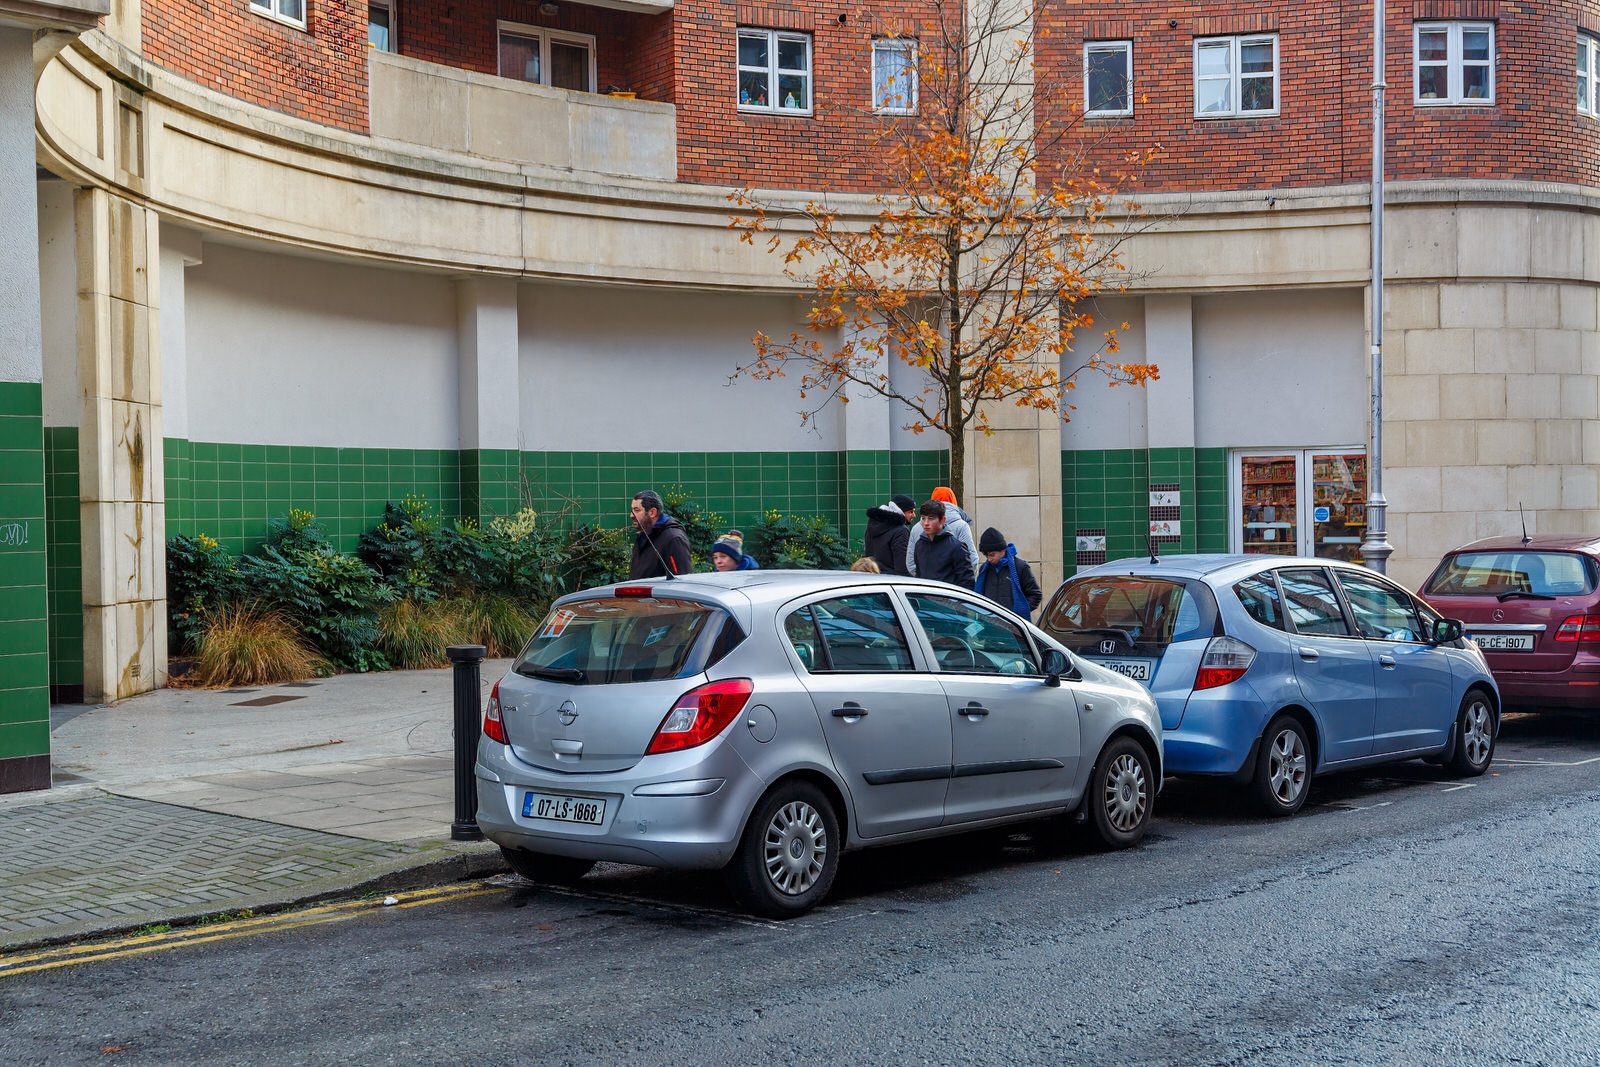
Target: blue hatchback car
{"points": [[1270, 669]]}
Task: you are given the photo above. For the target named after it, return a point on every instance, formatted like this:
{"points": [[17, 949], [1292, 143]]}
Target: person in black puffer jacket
{"points": [[888, 527]]}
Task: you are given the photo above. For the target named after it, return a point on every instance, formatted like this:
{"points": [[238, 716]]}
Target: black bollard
{"points": [[468, 659]]}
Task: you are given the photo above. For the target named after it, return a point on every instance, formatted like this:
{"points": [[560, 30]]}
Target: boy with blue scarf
{"points": [[1004, 578]]}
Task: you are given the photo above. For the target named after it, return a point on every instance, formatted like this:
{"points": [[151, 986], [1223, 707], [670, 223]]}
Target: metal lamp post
{"points": [[1375, 551]]}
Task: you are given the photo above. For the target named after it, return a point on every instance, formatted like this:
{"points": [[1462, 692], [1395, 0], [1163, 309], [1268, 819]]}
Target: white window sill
{"points": [[1453, 103], [273, 16], [1128, 114], [746, 109], [1212, 116]]}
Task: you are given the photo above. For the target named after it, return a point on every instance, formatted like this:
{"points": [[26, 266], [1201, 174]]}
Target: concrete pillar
{"points": [[487, 348], [866, 429], [121, 478], [180, 250], [1169, 343], [24, 627]]}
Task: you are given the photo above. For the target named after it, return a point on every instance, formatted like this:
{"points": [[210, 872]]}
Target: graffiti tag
{"points": [[13, 534]]}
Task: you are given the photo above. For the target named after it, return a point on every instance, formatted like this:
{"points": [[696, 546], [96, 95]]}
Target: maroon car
{"points": [[1531, 604]]}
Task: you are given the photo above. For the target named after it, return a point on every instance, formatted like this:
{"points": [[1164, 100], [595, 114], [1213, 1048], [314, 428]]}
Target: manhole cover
{"points": [[262, 702]]}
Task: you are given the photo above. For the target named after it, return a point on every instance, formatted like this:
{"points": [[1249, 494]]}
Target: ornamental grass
{"points": [[413, 634], [243, 644], [497, 621]]}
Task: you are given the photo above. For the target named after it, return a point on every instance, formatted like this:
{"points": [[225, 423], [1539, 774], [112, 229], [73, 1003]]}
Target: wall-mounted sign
{"points": [[1164, 498], [1319, 514], [1091, 543], [1166, 528]]}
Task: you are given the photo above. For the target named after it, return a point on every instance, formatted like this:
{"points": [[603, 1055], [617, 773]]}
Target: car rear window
{"points": [[1513, 571], [1132, 612], [626, 639]]}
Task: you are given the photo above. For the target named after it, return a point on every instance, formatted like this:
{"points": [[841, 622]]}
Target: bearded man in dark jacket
{"points": [[888, 528], [661, 547]]}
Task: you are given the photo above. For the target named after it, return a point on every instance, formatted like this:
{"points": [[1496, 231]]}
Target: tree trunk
{"points": [[958, 464]]}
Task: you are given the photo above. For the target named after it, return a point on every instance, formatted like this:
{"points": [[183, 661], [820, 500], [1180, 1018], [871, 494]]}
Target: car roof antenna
{"points": [[1525, 538], [1155, 556]]}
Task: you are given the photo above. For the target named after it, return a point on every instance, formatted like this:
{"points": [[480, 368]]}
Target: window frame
{"points": [[1350, 634], [1589, 101], [1455, 63], [894, 44], [773, 71], [393, 9], [1126, 47], [546, 37], [1236, 43], [270, 9]]}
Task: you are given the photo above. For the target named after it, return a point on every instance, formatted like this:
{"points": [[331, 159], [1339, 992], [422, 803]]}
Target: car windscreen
{"points": [[1129, 614], [1509, 571], [624, 639]]}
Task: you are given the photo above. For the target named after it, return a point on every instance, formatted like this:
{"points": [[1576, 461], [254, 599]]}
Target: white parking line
{"points": [[1548, 762], [1368, 807], [1459, 785]]}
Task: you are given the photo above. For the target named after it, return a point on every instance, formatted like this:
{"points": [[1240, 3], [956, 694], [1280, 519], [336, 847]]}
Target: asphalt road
{"points": [[1401, 918]]}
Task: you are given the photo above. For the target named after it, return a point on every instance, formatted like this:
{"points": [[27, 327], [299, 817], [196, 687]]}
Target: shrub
{"points": [[597, 555], [413, 634], [798, 542], [247, 644], [200, 579], [496, 620]]}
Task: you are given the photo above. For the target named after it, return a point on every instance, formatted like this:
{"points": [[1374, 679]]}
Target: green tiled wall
{"points": [[64, 553], [491, 482], [230, 491], [24, 629], [1109, 489], [917, 474]]}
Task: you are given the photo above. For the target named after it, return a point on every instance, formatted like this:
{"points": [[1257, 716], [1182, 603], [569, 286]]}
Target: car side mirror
{"points": [[1448, 631], [1056, 667]]}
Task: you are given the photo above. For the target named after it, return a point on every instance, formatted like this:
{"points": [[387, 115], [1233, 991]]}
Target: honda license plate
{"points": [[1504, 642], [586, 810], [1137, 669]]}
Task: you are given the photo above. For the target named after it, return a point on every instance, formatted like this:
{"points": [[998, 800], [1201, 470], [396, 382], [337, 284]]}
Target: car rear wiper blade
{"points": [[554, 674], [1517, 594]]}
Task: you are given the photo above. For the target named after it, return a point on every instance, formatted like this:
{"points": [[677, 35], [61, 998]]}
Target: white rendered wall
{"points": [[58, 304], [1108, 417], [1280, 369], [290, 351], [19, 214], [633, 370]]}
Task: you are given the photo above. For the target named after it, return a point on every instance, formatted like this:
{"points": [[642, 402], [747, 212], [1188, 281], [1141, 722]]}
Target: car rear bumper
{"points": [[682, 810], [1578, 686], [1218, 731]]}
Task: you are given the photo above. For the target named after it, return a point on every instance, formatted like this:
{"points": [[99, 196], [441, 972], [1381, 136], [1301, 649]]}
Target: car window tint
{"points": [[1259, 596], [1512, 571], [801, 629], [1381, 611], [1142, 614], [969, 638], [861, 633], [1311, 603]]}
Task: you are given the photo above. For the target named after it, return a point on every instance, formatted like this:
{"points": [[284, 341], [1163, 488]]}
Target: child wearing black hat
{"points": [[1004, 577]]}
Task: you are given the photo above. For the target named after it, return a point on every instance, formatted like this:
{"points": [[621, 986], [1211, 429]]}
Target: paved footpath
{"points": [[185, 803]]}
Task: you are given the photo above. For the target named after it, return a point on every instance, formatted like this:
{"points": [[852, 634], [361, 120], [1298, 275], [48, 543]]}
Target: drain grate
{"points": [[265, 702]]}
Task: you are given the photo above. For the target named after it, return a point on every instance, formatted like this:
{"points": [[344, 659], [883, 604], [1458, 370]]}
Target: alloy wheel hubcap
{"points": [[1286, 767], [796, 847], [1476, 733], [1126, 797]]}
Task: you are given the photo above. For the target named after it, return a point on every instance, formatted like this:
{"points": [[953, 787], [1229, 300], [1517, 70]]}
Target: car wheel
{"points": [[1283, 768], [1474, 736], [1121, 793], [789, 853], [543, 867]]}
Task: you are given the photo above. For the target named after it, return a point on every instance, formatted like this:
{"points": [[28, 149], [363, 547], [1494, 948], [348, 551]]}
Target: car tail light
{"points": [[632, 590], [700, 715], [1225, 660], [1580, 628], [494, 728]]}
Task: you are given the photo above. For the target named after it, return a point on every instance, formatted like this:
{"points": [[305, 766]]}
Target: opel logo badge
{"points": [[1107, 647], [1499, 616], [568, 712]]}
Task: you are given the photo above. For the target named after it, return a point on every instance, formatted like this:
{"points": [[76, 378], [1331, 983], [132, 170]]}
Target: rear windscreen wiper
{"points": [[554, 674], [1517, 594]]}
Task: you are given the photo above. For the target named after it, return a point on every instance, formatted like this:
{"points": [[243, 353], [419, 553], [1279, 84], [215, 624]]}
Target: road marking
{"points": [[1548, 762], [1458, 785], [1369, 807], [145, 944]]}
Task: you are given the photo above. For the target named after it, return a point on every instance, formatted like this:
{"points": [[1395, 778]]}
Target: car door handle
{"points": [[1387, 662], [851, 710], [975, 710], [1310, 654]]}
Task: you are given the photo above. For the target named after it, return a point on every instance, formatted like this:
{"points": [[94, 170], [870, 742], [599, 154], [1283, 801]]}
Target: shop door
{"points": [[1300, 502]]}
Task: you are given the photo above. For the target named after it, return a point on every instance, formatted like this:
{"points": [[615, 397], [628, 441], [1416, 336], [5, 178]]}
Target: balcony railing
{"points": [[463, 111]]}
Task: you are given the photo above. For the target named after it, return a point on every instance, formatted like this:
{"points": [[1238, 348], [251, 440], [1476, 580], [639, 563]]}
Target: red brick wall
{"points": [[1323, 134], [318, 73]]}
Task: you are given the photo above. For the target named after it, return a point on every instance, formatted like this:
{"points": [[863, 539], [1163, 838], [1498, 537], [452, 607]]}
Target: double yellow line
{"points": [[145, 944]]}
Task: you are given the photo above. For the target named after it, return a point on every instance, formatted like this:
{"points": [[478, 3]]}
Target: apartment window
{"points": [[381, 25], [775, 71], [291, 11], [1454, 62], [1588, 67], [1236, 76], [555, 58], [894, 75], [1108, 78]]}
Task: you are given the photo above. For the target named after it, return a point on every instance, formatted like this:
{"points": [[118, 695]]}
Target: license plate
{"points": [[1137, 669], [1504, 642], [557, 808]]}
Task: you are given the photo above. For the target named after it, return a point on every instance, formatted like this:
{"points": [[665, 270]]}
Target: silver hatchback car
{"points": [[766, 722]]}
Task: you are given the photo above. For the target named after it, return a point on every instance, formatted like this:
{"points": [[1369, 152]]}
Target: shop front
{"points": [[1299, 502]]}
